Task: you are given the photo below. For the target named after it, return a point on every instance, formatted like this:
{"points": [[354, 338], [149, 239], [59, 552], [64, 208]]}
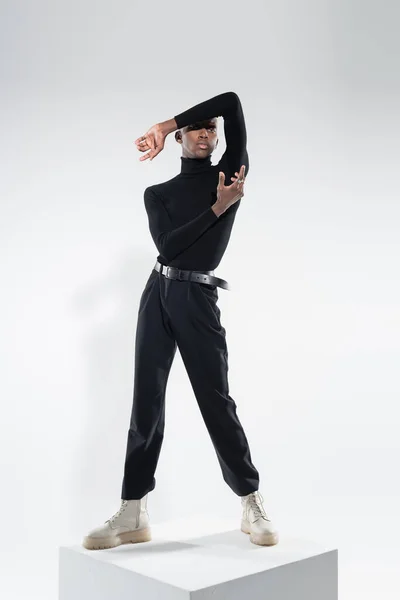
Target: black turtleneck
{"points": [[185, 229]]}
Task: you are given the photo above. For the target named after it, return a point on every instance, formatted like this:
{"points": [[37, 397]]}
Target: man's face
{"points": [[199, 139]]}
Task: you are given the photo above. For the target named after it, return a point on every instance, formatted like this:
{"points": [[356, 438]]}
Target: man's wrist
{"points": [[218, 209], [169, 126]]}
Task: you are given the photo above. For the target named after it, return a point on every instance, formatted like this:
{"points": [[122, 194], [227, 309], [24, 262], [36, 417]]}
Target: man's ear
{"points": [[178, 136]]}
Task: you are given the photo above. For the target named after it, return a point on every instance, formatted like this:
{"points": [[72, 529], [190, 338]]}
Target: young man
{"points": [[190, 220]]}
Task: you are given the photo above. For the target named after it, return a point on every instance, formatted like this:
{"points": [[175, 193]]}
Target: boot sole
{"points": [[261, 539], [129, 537]]}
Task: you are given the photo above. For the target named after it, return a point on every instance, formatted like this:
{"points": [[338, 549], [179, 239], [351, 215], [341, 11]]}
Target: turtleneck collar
{"points": [[193, 166]]}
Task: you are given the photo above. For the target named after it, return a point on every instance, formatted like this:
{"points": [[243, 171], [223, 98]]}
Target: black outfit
{"points": [[185, 314]]}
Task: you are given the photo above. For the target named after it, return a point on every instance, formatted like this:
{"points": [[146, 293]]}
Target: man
{"points": [[190, 219]]}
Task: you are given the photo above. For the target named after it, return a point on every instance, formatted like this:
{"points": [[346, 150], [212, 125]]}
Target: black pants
{"points": [[185, 314]]}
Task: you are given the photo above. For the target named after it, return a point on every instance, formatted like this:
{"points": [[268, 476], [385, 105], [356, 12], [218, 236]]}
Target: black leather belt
{"points": [[186, 275]]}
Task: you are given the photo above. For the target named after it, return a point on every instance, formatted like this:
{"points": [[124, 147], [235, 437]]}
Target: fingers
{"points": [[242, 178], [145, 142], [141, 143], [142, 147], [149, 155], [235, 188], [149, 143], [152, 154], [239, 175]]}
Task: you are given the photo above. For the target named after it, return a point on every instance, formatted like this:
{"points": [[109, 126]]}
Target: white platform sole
{"points": [[129, 537]]}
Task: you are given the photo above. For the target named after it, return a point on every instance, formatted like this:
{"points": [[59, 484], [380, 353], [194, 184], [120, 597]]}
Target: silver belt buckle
{"points": [[176, 269]]}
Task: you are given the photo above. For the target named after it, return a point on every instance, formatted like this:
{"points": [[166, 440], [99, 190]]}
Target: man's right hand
{"points": [[154, 139], [151, 142], [229, 194]]}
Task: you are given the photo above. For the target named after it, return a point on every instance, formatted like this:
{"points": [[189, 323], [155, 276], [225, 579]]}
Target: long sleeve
{"points": [[171, 242], [228, 106]]}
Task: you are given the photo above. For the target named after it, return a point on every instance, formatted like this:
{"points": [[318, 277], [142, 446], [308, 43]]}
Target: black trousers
{"points": [[182, 314]]}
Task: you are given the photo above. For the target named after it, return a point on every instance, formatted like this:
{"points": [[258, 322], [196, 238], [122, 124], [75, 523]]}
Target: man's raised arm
{"points": [[228, 106]]}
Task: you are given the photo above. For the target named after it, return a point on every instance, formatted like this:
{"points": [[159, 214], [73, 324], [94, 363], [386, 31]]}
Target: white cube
{"points": [[200, 558]]}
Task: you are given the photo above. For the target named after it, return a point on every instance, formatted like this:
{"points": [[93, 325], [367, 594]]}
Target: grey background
{"points": [[313, 317]]}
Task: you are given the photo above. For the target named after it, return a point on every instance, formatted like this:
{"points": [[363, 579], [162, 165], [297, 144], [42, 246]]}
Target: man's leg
{"points": [[201, 341], [155, 348]]}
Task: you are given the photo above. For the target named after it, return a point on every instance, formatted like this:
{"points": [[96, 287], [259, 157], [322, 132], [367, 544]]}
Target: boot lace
{"points": [[124, 504], [255, 502]]}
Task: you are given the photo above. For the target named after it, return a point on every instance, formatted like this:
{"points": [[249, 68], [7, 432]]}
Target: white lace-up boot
{"points": [[129, 525], [256, 522]]}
